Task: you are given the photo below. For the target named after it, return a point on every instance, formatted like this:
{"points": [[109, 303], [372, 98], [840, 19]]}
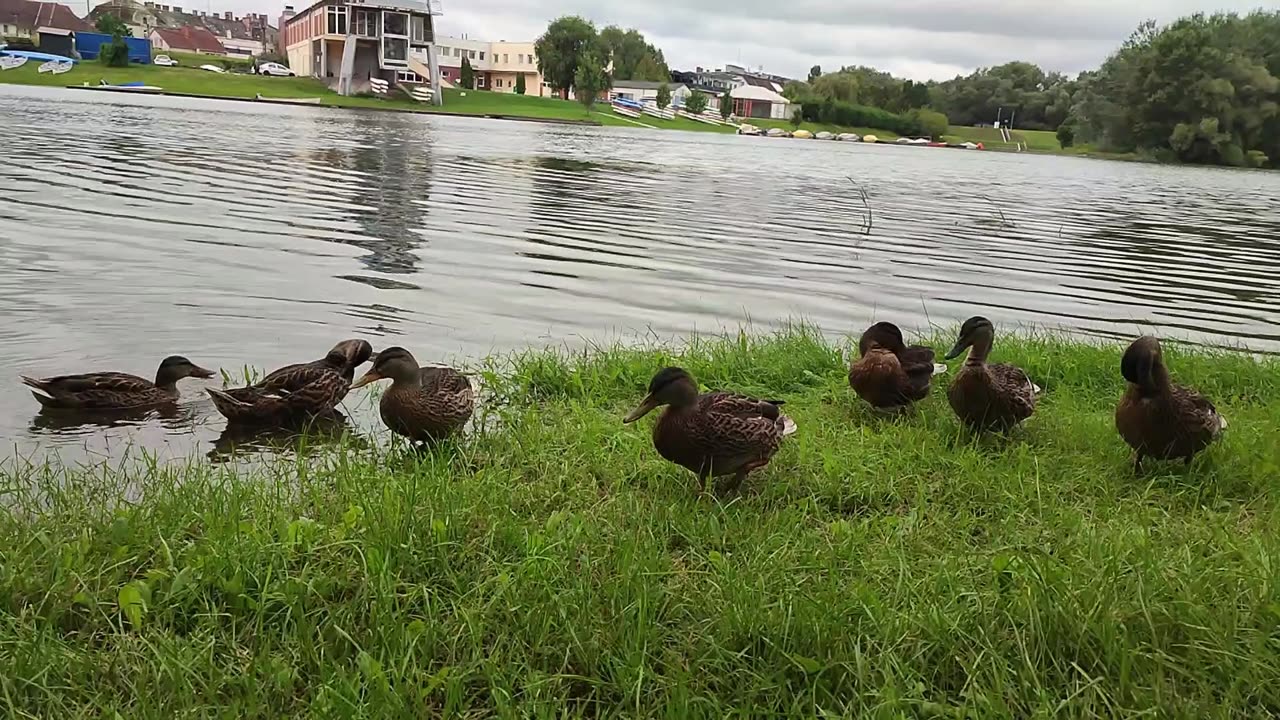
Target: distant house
{"points": [[641, 90], [495, 65], [752, 101], [187, 39], [247, 35], [24, 18]]}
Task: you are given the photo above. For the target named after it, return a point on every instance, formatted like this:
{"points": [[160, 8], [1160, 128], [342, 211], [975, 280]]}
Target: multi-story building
{"points": [[347, 43], [24, 18], [247, 35], [496, 65]]}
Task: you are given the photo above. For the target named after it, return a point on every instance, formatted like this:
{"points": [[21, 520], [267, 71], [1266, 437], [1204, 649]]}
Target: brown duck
{"points": [[888, 374], [988, 397], [423, 404], [295, 392], [114, 390], [714, 434], [1156, 417]]}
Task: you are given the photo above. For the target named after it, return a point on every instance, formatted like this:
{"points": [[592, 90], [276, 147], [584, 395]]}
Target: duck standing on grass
{"points": [[988, 397], [295, 392], [1158, 418], [106, 391], [888, 374], [716, 434], [423, 404]]}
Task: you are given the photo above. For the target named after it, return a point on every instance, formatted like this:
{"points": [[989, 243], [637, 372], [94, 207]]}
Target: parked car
{"points": [[212, 68], [163, 61], [274, 69]]}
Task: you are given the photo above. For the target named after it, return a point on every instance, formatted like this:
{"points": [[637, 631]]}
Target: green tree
{"points": [[109, 24], [468, 76], [664, 96], [561, 49], [1066, 135], [520, 88], [726, 105], [797, 117], [114, 53], [696, 103], [929, 122], [590, 80], [815, 72], [633, 57]]}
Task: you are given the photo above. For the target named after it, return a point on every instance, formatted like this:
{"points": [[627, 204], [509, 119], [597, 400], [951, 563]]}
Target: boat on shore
{"points": [[287, 101]]}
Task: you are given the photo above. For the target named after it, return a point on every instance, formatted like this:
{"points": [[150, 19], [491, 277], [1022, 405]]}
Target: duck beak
{"points": [[199, 372], [645, 408], [369, 377], [960, 347]]}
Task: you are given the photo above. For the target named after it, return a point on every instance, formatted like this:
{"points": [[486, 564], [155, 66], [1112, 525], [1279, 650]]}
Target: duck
{"points": [[888, 374], [1157, 418], [114, 390], [715, 434], [424, 404], [995, 397], [295, 392]]}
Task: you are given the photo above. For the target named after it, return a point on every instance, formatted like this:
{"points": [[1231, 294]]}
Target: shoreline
{"points": [[297, 102], [550, 560]]}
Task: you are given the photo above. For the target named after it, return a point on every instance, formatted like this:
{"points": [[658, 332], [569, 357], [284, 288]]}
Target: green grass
{"points": [[552, 564], [1041, 141]]}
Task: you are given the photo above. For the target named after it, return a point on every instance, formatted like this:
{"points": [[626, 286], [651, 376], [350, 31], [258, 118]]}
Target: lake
{"points": [[242, 234]]}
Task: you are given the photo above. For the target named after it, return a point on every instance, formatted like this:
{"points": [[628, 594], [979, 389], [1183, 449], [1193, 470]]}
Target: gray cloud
{"points": [[921, 39]]}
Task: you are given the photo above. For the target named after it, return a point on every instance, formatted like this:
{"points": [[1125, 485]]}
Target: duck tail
{"points": [[1222, 422], [939, 369], [225, 403], [36, 383]]}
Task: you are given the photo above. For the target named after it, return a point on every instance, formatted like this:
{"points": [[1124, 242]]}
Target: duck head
{"points": [[670, 386]]}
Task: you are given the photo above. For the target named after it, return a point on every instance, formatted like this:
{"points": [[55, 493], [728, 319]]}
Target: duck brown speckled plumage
{"points": [[114, 390], [888, 374], [988, 397], [295, 392], [423, 404], [714, 434], [1156, 417]]}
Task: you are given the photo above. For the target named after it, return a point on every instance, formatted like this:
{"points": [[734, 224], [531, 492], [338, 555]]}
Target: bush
{"points": [[726, 105], [834, 112], [1256, 159], [929, 122], [520, 87], [1066, 135], [796, 118], [664, 96], [696, 103], [1233, 155], [467, 76], [114, 53]]}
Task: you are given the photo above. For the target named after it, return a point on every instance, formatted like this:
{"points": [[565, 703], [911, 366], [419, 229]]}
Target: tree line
{"points": [[572, 55]]}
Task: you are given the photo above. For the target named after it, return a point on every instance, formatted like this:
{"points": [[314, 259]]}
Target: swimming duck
{"points": [[295, 392], [1156, 417], [714, 434], [114, 390], [423, 404], [888, 374], [988, 397]]}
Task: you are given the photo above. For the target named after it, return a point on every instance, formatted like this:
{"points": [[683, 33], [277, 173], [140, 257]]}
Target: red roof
{"points": [[32, 16], [191, 38]]}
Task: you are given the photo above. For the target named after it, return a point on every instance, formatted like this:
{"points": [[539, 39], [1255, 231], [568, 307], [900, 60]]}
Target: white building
{"points": [[642, 90]]}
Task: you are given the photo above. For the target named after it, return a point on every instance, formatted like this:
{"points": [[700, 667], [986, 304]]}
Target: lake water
{"points": [[241, 234]]}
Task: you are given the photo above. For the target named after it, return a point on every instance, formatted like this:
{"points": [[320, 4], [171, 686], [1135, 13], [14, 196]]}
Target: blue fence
{"points": [[89, 44]]}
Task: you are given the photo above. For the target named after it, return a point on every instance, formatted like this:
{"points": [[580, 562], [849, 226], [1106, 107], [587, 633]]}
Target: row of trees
{"points": [[572, 55]]}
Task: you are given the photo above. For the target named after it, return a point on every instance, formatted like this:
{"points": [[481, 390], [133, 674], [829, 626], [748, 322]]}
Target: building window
{"points": [[418, 26], [520, 58], [481, 54], [497, 82], [337, 15], [504, 58], [395, 24], [471, 54], [408, 76], [364, 23], [457, 52]]}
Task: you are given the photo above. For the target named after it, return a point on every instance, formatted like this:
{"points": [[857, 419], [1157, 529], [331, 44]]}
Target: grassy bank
{"points": [[554, 563]]}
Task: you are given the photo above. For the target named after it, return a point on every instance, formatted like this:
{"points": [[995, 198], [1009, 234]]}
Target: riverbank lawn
{"points": [[551, 564]]}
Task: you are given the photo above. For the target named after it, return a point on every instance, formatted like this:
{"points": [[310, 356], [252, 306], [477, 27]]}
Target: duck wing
{"points": [[1197, 411], [291, 391], [918, 363], [734, 422], [1015, 386], [95, 390]]}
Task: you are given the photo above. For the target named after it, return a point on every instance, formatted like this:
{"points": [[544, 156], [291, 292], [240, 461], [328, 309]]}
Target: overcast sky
{"points": [[918, 39]]}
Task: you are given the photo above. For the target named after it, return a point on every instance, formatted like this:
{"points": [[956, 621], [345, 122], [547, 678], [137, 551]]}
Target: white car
{"points": [[164, 61], [274, 69], [212, 68]]}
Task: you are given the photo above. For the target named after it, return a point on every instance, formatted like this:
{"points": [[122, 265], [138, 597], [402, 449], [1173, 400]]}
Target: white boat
{"points": [[213, 68], [11, 62], [778, 133], [748, 129], [57, 67]]}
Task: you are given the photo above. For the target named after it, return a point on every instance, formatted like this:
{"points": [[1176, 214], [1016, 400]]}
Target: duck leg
{"points": [[733, 483], [1137, 463]]}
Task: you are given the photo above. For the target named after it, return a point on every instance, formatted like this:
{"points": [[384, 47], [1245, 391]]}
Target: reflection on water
{"points": [[236, 234]]}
